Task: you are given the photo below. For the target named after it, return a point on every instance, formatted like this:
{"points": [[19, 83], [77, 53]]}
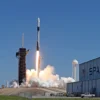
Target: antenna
{"points": [[23, 40]]}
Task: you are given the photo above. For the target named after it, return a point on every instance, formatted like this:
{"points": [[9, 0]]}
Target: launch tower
{"points": [[21, 55]]}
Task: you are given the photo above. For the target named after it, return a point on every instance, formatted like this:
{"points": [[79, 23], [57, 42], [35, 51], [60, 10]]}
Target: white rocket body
{"points": [[38, 34]]}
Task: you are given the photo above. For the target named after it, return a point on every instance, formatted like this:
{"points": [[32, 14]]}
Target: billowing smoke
{"points": [[14, 84], [47, 78]]}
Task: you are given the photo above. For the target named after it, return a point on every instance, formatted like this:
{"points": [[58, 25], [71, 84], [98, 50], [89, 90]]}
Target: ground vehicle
{"points": [[87, 95]]}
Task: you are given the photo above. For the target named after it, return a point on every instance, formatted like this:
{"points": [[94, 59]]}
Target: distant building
{"points": [[89, 78]]}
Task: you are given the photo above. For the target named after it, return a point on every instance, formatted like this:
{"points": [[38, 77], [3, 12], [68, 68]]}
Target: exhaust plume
{"points": [[47, 78]]}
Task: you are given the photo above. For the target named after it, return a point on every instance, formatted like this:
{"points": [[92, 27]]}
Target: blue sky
{"points": [[70, 29]]}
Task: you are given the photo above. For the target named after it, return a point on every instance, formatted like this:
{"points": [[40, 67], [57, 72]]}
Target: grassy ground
{"points": [[12, 98], [65, 99], [21, 98]]}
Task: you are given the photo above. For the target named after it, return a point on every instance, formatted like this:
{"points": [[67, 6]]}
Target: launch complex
{"points": [[24, 86], [21, 55]]}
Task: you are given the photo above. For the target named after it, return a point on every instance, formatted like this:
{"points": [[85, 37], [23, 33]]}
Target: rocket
{"points": [[38, 35], [38, 47]]}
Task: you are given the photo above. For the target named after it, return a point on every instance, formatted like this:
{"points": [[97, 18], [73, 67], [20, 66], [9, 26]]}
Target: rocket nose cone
{"points": [[38, 23], [38, 19]]}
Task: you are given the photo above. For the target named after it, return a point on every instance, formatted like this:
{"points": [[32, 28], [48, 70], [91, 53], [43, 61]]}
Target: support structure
{"points": [[21, 55]]}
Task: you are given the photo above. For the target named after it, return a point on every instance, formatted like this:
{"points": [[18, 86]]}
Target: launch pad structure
{"points": [[21, 55]]}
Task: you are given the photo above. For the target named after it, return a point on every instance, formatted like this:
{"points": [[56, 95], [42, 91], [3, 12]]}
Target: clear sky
{"points": [[70, 29]]}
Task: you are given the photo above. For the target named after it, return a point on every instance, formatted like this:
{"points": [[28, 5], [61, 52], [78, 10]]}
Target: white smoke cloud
{"points": [[67, 80], [47, 78], [14, 84]]}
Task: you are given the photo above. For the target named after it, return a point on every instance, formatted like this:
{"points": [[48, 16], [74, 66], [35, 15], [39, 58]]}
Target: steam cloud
{"points": [[47, 78]]}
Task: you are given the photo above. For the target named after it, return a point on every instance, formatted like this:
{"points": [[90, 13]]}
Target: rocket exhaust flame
{"points": [[37, 63]]}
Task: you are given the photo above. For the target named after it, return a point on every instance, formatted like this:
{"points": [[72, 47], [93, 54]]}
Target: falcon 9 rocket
{"points": [[38, 48]]}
